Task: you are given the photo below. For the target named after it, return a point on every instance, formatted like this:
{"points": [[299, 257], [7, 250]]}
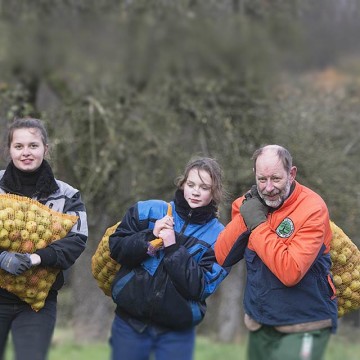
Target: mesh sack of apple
{"points": [[345, 270], [26, 225], [103, 267]]}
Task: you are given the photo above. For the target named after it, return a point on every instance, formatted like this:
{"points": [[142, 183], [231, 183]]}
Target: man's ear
{"points": [[293, 172]]}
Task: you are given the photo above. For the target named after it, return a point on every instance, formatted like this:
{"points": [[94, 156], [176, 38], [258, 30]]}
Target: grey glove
{"points": [[14, 263], [253, 209]]}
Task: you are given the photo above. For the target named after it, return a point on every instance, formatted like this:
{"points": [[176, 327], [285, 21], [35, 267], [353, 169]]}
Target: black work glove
{"points": [[253, 210], [14, 263]]}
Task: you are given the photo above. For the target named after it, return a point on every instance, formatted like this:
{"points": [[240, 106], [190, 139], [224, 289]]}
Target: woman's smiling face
{"points": [[27, 150]]}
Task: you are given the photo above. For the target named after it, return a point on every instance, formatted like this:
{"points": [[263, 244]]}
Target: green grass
{"points": [[65, 349], [341, 347], [205, 350]]}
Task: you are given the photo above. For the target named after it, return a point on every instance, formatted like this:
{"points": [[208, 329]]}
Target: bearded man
{"points": [[282, 230]]}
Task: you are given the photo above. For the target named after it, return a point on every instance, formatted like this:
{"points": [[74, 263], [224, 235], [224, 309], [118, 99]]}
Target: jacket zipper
{"points": [[186, 222]]}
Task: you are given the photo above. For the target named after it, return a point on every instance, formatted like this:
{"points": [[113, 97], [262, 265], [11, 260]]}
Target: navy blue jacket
{"points": [[169, 289]]}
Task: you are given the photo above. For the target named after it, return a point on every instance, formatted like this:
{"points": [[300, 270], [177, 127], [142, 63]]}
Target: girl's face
{"points": [[27, 150], [197, 188]]}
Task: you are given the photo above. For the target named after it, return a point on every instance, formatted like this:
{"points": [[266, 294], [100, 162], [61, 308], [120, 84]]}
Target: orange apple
{"points": [[41, 273], [33, 279], [27, 246], [15, 235], [56, 227]]}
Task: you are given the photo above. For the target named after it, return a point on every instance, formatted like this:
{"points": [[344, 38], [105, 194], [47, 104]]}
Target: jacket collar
{"points": [[45, 184], [200, 215]]}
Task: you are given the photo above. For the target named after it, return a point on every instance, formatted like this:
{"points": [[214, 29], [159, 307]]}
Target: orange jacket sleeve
{"points": [[231, 242]]}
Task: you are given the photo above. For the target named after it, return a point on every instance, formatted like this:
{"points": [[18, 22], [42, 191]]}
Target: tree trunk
{"points": [[92, 309], [224, 317], [230, 312]]}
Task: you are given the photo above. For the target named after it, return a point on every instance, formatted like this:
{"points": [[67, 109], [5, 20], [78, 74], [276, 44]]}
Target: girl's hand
{"points": [[167, 222], [168, 236]]}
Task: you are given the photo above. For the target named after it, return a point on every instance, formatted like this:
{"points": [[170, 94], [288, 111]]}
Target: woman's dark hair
{"points": [[28, 123]]}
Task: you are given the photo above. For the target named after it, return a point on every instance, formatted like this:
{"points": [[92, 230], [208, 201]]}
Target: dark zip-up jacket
{"points": [[169, 289], [288, 263], [58, 196]]}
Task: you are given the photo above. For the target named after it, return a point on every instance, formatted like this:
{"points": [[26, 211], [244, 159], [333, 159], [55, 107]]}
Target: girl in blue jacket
{"points": [[160, 294]]}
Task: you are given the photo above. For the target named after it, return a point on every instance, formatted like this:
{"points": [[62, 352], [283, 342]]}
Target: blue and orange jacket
{"points": [[167, 290], [287, 259]]}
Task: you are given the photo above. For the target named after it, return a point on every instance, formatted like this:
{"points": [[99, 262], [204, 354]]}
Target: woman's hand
{"points": [[35, 259], [167, 222]]}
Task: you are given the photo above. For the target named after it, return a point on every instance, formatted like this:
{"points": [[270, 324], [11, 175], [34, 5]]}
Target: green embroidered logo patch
{"points": [[286, 228]]}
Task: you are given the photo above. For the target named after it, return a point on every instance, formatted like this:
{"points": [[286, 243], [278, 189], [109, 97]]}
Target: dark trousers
{"points": [[31, 331]]}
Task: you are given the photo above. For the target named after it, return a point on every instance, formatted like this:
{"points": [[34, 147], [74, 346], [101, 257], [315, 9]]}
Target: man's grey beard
{"points": [[283, 196]]}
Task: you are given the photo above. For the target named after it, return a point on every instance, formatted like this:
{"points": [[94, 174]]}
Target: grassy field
{"points": [[341, 347]]}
